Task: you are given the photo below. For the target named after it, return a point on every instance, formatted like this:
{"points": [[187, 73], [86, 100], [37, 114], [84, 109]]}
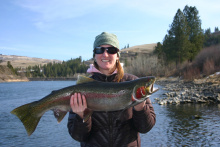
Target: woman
{"points": [[103, 128]]}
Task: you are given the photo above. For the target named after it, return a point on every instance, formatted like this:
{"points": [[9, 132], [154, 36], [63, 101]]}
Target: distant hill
{"points": [[23, 61], [6, 75], [146, 48], [128, 54]]}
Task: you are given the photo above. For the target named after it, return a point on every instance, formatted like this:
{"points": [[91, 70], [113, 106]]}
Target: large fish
{"points": [[100, 96]]}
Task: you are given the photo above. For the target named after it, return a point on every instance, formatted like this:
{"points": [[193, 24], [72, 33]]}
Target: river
{"points": [[176, 124]]}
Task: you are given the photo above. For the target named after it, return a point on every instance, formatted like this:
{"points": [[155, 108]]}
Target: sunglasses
{"points": [[101, 50]]}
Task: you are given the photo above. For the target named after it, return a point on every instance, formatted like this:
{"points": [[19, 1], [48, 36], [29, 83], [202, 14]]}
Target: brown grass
{"points": [[206, 62], [149, 65], [191, 73], [209, 53], [209, 67]]}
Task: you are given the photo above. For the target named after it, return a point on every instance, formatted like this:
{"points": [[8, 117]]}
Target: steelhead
{"points": [[100, 96]]}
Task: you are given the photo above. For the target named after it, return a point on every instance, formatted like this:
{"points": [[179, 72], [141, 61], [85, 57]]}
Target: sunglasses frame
{"points": [[108, 49]]}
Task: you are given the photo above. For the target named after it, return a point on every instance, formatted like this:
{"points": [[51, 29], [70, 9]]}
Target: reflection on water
{"points": [[177, 125], [191, 125], [184, 125]]}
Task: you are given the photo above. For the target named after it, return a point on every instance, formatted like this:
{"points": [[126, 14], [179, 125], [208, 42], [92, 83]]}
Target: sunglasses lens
{"points": [[110, 50], [98, 50]]}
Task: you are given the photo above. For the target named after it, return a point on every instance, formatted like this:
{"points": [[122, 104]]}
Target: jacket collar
{"points": [[99, 76], [104, 78], [93, 70]]}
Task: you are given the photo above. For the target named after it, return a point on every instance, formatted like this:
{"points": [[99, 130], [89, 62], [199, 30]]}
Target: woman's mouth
{"points": [[105, 60]]}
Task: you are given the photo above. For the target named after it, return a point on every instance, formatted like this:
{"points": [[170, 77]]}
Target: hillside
{"points": [[146, 48], [23, 61], [6, 75], [129, 54]]}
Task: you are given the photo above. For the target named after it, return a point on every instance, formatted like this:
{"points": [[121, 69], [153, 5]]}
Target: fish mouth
{"points": [[146, 90], [143, 92]]}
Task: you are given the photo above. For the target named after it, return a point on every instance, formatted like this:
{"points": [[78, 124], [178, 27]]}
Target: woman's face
{"points": [[106, 61]]}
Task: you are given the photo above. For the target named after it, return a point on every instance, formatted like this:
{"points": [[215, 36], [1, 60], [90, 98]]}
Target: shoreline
{"points": [[205, 90], [14, 80], [36, 79], [52, 79]]}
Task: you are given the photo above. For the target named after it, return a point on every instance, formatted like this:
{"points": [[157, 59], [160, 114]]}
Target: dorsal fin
{"points": [[83, 79]]}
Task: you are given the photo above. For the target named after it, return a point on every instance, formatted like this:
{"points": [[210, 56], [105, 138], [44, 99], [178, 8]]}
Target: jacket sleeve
{"points": [[145, 119], [77, 129]]}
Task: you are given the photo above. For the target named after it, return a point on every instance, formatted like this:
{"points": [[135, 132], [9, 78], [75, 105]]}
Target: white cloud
{"points": [[50, 11]]}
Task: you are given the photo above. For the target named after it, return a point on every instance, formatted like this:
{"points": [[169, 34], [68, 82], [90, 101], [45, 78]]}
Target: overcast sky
{"points": [[65, 29]]}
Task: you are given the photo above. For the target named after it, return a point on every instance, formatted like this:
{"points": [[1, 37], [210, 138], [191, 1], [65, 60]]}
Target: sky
{"points": [[65, 29]]}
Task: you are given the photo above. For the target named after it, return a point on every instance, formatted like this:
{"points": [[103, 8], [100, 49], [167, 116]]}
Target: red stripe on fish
{"points": [[103, 95]]}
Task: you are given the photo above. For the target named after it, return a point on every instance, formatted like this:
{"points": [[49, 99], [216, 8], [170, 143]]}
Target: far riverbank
{"points": [[35, 79], [52, 79]]}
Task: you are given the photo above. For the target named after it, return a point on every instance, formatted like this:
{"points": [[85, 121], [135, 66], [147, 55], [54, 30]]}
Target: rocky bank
{"points": [[6, 75], [206, 90]]}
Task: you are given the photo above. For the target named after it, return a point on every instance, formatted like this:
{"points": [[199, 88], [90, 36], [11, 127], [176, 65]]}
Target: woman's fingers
{"points": [[84, 101], [78, 102]]}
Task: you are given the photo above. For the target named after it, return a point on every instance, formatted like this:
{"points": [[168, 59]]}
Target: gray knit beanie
{"points": [[106, 38]]}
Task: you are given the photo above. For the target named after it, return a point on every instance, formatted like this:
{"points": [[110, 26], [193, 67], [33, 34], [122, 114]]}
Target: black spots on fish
{"points": [[121, 92]]}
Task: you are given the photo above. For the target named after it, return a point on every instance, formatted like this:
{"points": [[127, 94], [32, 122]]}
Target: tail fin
{"points": [[29, 120]]}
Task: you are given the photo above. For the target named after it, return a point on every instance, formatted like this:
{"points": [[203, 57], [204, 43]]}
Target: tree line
{"points": [[185, 38], [54, 70]]}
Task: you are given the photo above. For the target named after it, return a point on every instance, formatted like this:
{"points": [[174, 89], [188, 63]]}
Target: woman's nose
{"points": [[105, 53]]}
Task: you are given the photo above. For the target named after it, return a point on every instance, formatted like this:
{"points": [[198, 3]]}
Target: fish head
{"points": [[143, 88]]}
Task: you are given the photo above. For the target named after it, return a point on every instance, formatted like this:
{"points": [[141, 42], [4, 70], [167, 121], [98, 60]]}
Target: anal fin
{"points": [[59, 115]]}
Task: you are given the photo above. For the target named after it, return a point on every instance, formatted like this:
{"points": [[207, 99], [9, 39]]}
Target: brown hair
{"points": [[120, 71]]}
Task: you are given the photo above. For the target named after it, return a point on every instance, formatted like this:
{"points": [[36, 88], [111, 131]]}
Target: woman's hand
{"points": [[140, 106], [78, 104]]}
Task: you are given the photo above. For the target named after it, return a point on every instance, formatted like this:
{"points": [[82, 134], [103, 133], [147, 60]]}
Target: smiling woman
{"points": [[106, 128], [107, 61]]}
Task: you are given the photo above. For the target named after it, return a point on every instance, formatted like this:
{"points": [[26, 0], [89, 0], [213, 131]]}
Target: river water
{"points": [[176, 124]]}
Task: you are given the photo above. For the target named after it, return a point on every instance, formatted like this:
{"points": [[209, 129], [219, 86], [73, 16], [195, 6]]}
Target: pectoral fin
{"points": [[86, 114]]}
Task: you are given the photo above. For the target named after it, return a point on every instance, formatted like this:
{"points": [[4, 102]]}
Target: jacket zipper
{"points": [[110, 125], [110, 130]]}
